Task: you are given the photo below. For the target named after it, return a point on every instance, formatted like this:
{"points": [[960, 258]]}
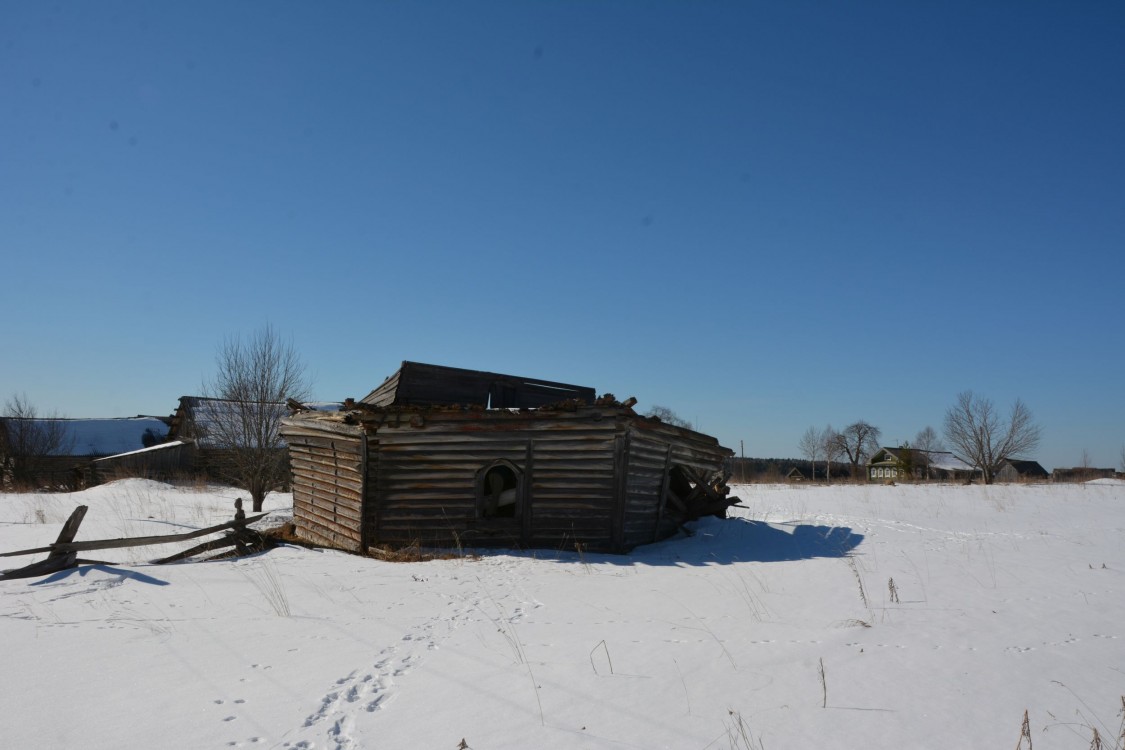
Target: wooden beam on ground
{"points": [[52, 564]]}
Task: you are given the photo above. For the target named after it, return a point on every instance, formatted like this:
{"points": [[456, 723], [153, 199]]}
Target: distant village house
{"points": [[893, 464]]}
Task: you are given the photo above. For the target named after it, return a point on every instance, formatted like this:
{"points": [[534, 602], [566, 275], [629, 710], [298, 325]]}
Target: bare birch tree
{"points": [[984, 438], [811, 446], [254, 378], [26, 439], [831, 448], [927, 440]]}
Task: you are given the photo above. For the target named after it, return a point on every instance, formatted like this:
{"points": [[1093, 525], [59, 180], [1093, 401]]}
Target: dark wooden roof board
{"points": [[418, 384]]}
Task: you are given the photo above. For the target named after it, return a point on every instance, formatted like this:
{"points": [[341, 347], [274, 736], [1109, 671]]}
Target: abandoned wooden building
{"points": [[58, 452], [1014, 470], [443, 457], [214, 429]]}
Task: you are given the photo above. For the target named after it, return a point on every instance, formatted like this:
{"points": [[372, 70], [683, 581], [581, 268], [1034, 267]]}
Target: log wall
{"points": [[595, 478], [423, 480], [328, 484], [654, 449]]}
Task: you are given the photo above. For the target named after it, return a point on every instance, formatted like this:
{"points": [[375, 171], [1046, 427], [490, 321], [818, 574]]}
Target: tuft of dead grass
{"points": [[413, 552]]}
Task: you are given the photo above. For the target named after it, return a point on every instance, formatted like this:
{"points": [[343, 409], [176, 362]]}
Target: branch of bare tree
{"points": [[26, 439], [984, 438], [254, 377]]}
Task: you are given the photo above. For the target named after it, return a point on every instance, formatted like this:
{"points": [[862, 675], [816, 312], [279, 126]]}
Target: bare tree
{"points": [[983, 438], [666, 415], [1086, 465], [858, 441], [927, 440], [1123, 458], [832, 448], [811, 446], [26, 439], [254, 378]]}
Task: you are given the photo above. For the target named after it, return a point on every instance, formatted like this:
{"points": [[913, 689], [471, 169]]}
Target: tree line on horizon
{"points": [[263, 369], [974, 430]]}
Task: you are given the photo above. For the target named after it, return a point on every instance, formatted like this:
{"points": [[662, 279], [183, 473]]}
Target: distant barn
{"points": [[198, 421], [60, 452], [1014, 470], [1081, 474], [441, 456]]}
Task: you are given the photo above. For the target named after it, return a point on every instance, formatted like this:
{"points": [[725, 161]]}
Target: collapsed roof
{"points": [[417, 384]]}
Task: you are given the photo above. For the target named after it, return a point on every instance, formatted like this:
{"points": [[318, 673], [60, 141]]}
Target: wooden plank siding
{"points": [[591, 477], [425, 488], [328, 484], [645, 482], [655, 448]]}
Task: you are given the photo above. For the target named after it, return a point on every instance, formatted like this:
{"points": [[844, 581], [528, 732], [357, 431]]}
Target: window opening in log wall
{"points": [[679, 485], [498, 490]]}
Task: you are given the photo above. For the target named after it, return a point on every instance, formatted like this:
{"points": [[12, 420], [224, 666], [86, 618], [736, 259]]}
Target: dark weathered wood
{"points": [[594, 475], [69, 529], [418, 383], [205, 547], [366, 512], [525, 499], [140, 541], [52, 564], [662, 498], [620, 468], [245, 541], [59, 559]]}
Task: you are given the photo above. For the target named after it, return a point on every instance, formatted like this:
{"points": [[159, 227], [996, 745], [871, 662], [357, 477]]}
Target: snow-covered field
{"points": [[1008, 598]]}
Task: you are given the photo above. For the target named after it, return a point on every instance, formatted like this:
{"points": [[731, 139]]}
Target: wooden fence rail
{"points": [[63, 554]]}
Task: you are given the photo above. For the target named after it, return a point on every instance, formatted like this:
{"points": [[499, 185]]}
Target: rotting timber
{"points": [[63, 553], [563, 475]]}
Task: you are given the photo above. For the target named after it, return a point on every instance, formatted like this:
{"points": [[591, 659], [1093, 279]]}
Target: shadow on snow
{"points": [[122, 573], [713, 541]]}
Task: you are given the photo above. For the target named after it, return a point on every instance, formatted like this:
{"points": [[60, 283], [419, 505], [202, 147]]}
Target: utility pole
{"points": [[742, 464]]}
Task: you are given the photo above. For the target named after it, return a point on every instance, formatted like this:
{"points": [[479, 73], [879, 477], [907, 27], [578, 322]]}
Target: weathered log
{"points": [[52, 564], [205, 547], [58, 559], [244, 541], [140, 541], [70, 528]]}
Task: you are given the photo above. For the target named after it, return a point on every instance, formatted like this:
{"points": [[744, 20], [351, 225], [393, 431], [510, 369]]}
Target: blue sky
{"points": [[764, 216]]}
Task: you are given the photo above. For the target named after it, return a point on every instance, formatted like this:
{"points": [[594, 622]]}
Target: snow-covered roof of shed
{"points": [[106, 437], [153, 449], [946, 461]]}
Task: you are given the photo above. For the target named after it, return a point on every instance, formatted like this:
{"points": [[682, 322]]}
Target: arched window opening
{"points": [[498, 491]]}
